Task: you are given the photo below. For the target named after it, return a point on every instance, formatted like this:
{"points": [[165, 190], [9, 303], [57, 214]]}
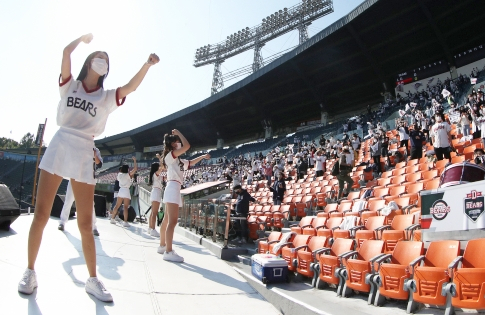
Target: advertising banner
{"points": [[455, 208]]}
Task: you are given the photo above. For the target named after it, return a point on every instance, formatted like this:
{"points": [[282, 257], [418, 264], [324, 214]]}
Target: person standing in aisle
{"points": [[69, 199], [81, 114], [174, 146], [125, 177]]}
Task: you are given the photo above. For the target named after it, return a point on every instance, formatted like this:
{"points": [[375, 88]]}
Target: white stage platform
{"points": [[140, 281]]}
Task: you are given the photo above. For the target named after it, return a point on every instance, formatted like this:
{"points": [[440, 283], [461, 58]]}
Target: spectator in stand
{"points": [[311, 158], [385, 148], [321, 141], [440, 133], [249, 176], [464, 122], [479, 121], [376, 148], [346, 163], [302, 166], [403, 131], [236, 179], [242, 210], [321, 164], [278, 188], [417, 139], [268, 171], [289, 157], [479, 157]]}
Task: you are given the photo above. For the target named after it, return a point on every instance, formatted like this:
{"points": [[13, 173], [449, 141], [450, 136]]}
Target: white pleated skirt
{"points": [[156, 195], [172, 193], [124, 193], [70, 155]]}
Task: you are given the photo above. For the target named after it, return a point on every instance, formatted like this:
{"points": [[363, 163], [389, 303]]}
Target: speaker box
{"points": [[58, 204], [100, 205], [9, 209], [131, 214]]}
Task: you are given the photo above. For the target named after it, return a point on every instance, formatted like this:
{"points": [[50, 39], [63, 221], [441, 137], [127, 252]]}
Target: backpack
{"points": [[336, 169]]}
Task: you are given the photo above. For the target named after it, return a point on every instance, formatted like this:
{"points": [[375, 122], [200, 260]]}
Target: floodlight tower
{"points": [[283, 21]]}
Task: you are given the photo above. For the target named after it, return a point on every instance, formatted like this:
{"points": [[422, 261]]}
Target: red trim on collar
{"points": [[63, 83], [188, 166], [118, 102], [173, 155], [88, 90]]}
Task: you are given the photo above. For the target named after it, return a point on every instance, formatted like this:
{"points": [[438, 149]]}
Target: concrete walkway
{"points": [[140, 281]]}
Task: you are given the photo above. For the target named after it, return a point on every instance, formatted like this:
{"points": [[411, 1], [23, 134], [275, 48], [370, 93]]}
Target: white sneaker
{"points": [[118, 219], [149, 230], [112, 221], [96, 288], [28, 282], [161, 249], [154, 233], [172, 256], [126, 224]]}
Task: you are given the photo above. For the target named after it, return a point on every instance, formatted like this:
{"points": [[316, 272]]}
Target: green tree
{"points": [[27, 141], [7, 143]]}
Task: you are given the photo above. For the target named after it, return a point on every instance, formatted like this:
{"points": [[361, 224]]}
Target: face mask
{"points": [[100, 66], [178, 146]]}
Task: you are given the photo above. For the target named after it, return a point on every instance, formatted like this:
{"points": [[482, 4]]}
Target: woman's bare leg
{"points": [[153, 214], [84, 194], [168, 225], [46, 192]]}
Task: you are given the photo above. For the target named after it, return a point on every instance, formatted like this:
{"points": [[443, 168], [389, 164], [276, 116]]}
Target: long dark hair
{"points": [[87, 64], [168, 139], [154, 168], [124, 168]]}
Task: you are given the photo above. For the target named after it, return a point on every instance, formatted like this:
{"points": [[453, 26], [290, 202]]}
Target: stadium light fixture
{"points": [[297, 17]]}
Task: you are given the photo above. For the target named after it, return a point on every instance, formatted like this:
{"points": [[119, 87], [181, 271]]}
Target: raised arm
{"points": [[66, 55], [200, 158], [185, 144], [135, 167], [136, 80]]}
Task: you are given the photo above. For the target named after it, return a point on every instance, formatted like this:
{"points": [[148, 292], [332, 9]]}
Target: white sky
{"points": [[34, 34]]}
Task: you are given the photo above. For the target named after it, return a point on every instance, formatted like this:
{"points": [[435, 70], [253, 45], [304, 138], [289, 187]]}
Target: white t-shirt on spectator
{"points": [[319, 162], [440, 132], [402, 134]]}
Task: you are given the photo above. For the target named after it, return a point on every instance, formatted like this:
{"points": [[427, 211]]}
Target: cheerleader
{"points": [[81, 114], [124, 177], [174, 146], [156, 180]]}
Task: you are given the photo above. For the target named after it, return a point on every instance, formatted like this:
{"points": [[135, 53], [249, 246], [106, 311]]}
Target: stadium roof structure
{"points": [[344, 67]]}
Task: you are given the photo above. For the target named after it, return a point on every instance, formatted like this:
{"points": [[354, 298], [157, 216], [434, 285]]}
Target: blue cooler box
{"points": [[269, 268]]}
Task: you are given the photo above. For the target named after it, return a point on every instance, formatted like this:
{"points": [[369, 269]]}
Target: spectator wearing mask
{"points": [[345, 167], [416, 136], [440, 134], [242, 210], [278, 189]]}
